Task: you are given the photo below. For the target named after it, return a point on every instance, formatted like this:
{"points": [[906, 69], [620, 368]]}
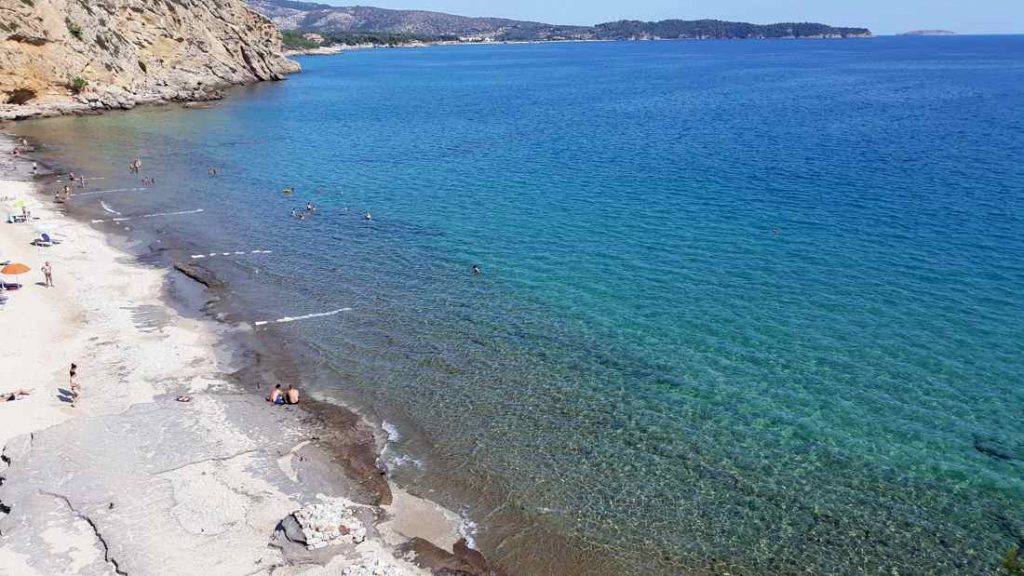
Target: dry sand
{"points": [[130, 481]]}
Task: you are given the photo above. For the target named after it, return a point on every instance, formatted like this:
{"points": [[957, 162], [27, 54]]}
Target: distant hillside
{"points": [[334, 20]]}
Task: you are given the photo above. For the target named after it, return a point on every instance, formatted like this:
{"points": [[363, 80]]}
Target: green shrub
{"points": [[78, 84], [73, 28]]}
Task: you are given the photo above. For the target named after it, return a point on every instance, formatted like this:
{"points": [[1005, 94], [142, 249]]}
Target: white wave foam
{"points": [[392, 430], [468, 530], [403, 460]]}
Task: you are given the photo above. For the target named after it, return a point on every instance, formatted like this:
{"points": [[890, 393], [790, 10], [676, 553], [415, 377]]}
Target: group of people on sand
{"points": [[279, 398]]}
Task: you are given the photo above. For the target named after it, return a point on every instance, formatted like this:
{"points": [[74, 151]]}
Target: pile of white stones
{"points": [[330, 522]]}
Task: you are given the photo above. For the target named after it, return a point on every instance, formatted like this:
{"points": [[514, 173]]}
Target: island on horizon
{"points": [[929, 33]]}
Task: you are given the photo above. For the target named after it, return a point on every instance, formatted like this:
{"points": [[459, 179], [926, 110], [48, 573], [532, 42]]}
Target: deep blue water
{"points": [[745, 306]]}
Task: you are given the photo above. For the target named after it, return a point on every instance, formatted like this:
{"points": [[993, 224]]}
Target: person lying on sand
{"points": [[293, 394], [276, 396], [16, 395]]}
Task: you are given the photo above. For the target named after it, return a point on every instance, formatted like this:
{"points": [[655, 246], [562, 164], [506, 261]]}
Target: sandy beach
{"points": [[129, 480]]}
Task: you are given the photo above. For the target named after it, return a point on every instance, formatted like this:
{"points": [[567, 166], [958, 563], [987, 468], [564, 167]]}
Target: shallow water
{"points": [[747, 306]]}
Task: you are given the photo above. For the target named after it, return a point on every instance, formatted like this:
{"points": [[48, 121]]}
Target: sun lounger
{"points": [[45, 240]]}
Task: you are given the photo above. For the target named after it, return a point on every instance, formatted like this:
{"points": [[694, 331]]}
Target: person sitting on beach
{"points": [[15, 395], [276, 396], [293, 394]]}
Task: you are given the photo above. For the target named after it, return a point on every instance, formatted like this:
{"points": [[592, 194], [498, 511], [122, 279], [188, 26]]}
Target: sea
{"points": [[744, 307]]}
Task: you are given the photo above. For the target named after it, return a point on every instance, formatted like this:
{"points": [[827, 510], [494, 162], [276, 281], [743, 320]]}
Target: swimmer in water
{"points": [[310, 207], [476, 270], [368, 216], [288, 191]]}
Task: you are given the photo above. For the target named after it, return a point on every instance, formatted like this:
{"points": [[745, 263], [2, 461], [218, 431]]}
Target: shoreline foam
{"points": [[129, 478]]}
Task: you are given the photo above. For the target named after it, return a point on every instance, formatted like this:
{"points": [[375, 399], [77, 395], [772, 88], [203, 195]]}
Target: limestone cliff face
{"points": [[60, 56]]}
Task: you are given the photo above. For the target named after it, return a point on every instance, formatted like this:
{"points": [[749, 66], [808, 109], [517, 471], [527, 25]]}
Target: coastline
{"points": [[128, 477], [342, 48]]}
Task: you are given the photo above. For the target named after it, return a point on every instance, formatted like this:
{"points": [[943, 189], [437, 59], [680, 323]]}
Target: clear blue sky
{"points": [[882, 16]]}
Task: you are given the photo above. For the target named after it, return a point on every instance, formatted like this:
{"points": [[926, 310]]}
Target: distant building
{"points": [[313, 37]]}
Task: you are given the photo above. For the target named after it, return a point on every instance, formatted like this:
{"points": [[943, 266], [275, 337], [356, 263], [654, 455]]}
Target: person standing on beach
{"points": [[48, 275], [76, 389]]}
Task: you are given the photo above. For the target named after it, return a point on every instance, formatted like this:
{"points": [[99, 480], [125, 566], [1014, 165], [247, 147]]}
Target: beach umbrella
{"points": [[14, 269]]}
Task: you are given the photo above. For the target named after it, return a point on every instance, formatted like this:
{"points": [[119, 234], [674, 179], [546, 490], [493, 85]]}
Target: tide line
{"points": [[94, 192], [126, 218], [287, 319], [235, 253]]}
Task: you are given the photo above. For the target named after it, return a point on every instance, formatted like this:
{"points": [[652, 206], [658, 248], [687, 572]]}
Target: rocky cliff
{"points": [[67, 56]]}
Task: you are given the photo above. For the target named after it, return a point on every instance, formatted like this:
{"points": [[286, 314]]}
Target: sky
{"points": [[881, 16]]}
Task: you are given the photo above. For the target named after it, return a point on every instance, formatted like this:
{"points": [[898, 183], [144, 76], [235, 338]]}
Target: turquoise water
{"points": [[745, 306]]}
